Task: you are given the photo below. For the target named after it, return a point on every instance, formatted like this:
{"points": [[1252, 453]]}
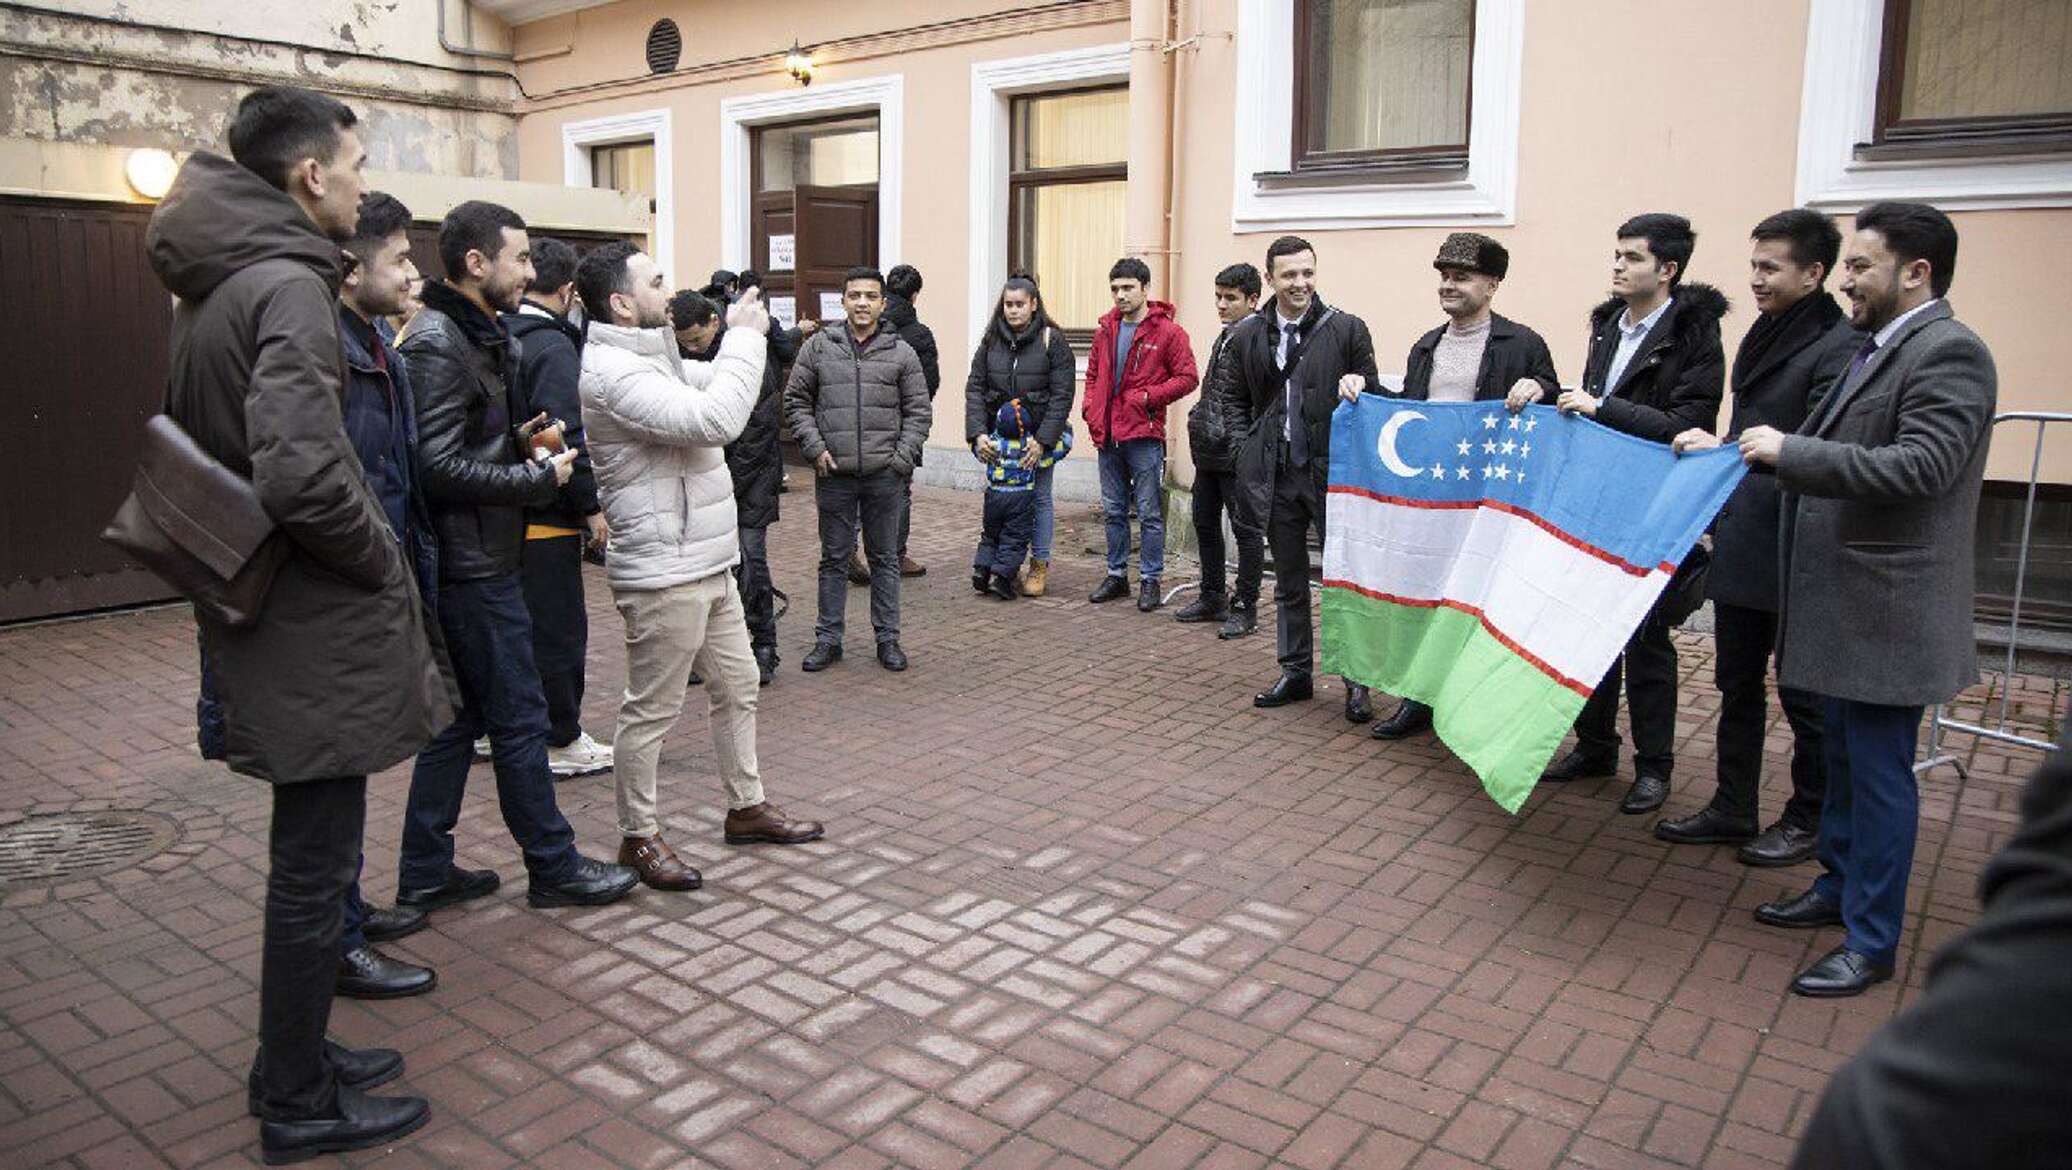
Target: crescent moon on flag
{"points": [[1385, 447]]}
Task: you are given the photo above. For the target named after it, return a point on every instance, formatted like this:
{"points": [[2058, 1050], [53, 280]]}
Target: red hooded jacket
{"points": [[1157, 372]]}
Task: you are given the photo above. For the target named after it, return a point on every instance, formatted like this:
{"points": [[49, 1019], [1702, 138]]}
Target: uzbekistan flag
{"points": [[1492, 565]]}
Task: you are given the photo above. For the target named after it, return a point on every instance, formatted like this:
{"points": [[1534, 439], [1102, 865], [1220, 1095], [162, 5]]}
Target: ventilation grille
{"points": [[664, 46]]}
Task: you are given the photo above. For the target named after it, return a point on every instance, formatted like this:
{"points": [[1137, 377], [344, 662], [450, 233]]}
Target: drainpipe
{"points": [[1150, 143], [462, 50]]}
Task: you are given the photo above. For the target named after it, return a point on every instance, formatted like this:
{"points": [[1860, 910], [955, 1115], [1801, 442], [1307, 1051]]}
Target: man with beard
{"points": [[474, 457], [660, 424], [1790, 356], [1881, 488], [336, 678]]}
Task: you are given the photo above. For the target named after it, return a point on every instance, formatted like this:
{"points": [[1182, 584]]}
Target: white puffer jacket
{"points": [[655, 425]]}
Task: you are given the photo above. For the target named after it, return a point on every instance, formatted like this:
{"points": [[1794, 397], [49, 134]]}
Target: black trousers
{"points": [[1215, 493], [1649, 668], [758, 594], [551, 573], [1008, 525], [314, 854], [1296, 507], [1743, 642]]}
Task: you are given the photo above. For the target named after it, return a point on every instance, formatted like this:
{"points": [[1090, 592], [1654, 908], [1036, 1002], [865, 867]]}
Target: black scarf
{"points": [[1784, 334]]}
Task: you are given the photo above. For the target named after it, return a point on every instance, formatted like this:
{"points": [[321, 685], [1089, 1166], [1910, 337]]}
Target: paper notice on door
{"points": [[783, 253], [785, 311], [830, 306]]}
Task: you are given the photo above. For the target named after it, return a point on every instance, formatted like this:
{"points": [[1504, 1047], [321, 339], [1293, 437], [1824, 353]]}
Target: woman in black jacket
{"points": [[1023, 355]]}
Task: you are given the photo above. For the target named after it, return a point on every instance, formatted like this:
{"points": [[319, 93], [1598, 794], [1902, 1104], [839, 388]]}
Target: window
{"points": [[839, 153], [625, 166], [1067, 172], [1382, 84], [1961, 77]]}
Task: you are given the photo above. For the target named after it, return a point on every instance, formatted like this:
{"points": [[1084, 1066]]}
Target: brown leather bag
{"points": [[199, 526]]}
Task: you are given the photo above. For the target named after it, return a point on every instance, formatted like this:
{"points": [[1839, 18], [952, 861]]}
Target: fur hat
{"points": [[1474, 252]]}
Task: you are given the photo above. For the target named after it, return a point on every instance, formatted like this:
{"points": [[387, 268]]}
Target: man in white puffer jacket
{"points": [[656, 427]]}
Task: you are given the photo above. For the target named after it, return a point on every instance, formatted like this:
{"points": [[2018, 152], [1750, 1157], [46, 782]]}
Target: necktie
{"points": [[1863, 355], [1298, 431]]}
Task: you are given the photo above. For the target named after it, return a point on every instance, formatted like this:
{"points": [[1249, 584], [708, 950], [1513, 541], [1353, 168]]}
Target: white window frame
{"points": [[1839, 109], [1486, 196], [994, 86], [738, 117], [579, 138]]}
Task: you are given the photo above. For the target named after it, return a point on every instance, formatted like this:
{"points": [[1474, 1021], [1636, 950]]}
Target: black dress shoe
{"points": [[891, 657], [1410, 718], [392, 922], [360, 1121], [1842, 973], [1804, 912], [766, 662], [1109, 589], [1359, 708], [981, 581], [821, 656], [365, 973], [1209, 607], [1149, 596], [1243, 620], [461, 885], [1707, 826], [1289, 688], [1780, 844], [357, 1068], [1646, 795], [1003, 587], [588, 883], [1578, 765]]}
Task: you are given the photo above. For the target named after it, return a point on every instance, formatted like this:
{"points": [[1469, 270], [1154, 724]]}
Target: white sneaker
{"points": [[582, 757], [482, 751]]}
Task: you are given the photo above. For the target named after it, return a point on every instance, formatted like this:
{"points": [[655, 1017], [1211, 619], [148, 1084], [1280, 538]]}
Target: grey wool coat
{"points": [[871, 409], [1881, 488]]}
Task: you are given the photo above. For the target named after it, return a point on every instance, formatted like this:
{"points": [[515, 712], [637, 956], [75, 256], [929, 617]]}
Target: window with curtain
{"points": [[625, 166], [1975, 76], [1067, 173], [1382, 83]]}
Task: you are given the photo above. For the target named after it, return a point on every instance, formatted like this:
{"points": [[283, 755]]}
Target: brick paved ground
{"points": [[1080, 905]]}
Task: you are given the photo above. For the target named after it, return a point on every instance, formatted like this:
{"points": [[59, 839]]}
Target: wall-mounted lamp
{"points": [[150, 171], [799, 63]]}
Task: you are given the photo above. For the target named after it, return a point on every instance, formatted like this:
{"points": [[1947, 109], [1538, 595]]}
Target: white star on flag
{"points": [[1438, 471], [1502, 472], [1521, 477], [1524, 449], [1530, 423], [1512, 424], [1488, 422], [1463, 445], [1489, 446], [1461, 473], [1510, 445], [1486, 471]]}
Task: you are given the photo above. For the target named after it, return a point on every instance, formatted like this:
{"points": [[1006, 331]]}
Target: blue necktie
{"points": [[1863, 355]]}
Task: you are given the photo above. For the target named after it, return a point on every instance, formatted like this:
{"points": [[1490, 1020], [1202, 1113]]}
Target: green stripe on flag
{"points": [[1499, 713]]}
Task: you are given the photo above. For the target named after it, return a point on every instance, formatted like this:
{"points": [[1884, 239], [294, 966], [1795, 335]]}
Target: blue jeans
{"points": [[1134, 471], [1868, 818], [489, 637], [1039, 540]]}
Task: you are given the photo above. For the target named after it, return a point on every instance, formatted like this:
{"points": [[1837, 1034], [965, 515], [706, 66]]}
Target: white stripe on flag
{"points": [[1568, 608]]}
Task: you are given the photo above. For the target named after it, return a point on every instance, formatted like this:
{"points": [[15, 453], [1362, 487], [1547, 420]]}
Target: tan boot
{"points": [[1037, 579]]}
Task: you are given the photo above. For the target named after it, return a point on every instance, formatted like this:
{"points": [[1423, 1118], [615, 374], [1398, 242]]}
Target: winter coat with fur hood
{"points": [[1676, 378]]}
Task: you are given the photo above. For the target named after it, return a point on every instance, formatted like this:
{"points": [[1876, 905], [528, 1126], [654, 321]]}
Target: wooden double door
{"points": [[806, 239]]}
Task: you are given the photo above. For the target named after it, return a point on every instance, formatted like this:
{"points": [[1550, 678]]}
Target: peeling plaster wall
{"points": [[66, 79]]}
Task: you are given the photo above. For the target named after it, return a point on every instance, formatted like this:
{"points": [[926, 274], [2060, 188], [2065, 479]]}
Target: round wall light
{"points": [[150, 171]]}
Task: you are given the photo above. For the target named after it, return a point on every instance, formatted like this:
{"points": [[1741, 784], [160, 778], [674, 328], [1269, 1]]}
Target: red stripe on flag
{"points": [[1545, 525], [1503, 639]]}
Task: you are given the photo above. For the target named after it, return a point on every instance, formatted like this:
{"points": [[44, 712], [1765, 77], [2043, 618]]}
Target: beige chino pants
{"points": [[669, 632]]}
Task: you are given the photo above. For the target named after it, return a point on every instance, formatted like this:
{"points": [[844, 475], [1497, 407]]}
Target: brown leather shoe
{"points": [[660, 868], [909, 567], [766, 824], [859, 569]]}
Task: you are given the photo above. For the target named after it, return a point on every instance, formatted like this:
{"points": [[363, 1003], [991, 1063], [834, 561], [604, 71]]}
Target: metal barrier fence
{"points": [[1941, 722]]}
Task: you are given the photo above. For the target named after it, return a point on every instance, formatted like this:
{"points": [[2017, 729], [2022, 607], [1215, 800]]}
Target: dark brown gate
{"points": [[87, 331]]}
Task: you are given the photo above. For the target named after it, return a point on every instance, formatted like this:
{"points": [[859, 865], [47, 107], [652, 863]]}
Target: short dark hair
{"points": [[747, 279], [690, 307], [1131, 268], [381, 216], [1916, 231], [1286, 246], [723, 276], [1669, 238], [903, 281], [277, 126], [1813, 237], [475, 226], [553, 265], [1242, 277], [602, 273], [863, 272]]}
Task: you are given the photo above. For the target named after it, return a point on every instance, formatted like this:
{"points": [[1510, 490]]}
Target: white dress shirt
{"points": [[1631, 334]]}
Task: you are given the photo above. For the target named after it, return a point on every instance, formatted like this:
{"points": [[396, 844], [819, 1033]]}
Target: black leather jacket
{"points": [[475, 473]]}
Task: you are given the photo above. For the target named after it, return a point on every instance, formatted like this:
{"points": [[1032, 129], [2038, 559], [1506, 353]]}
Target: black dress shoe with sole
{"points": [[461, 885], [1289, 688], [588, 883], [365, 973], [1578, 765], [766, 662], [1209, 607], [385, 923], [361, 1121], [1149, 595], [1707, 826], [1109, 589], [821, 657], [1841, 973], [1805, 912], [891, 657], [1003, 587], [1359, 707], [1243, 620], [1410, 718], [1780, 844], [1646, 795], [357, 1068]]}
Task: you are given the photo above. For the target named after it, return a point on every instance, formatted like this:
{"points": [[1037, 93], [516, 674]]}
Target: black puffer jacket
{"points": [[900, 314], [1676, 378], [1208, 434], [476, 474], [550, 361], [755, 460], [1035, 367]]}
